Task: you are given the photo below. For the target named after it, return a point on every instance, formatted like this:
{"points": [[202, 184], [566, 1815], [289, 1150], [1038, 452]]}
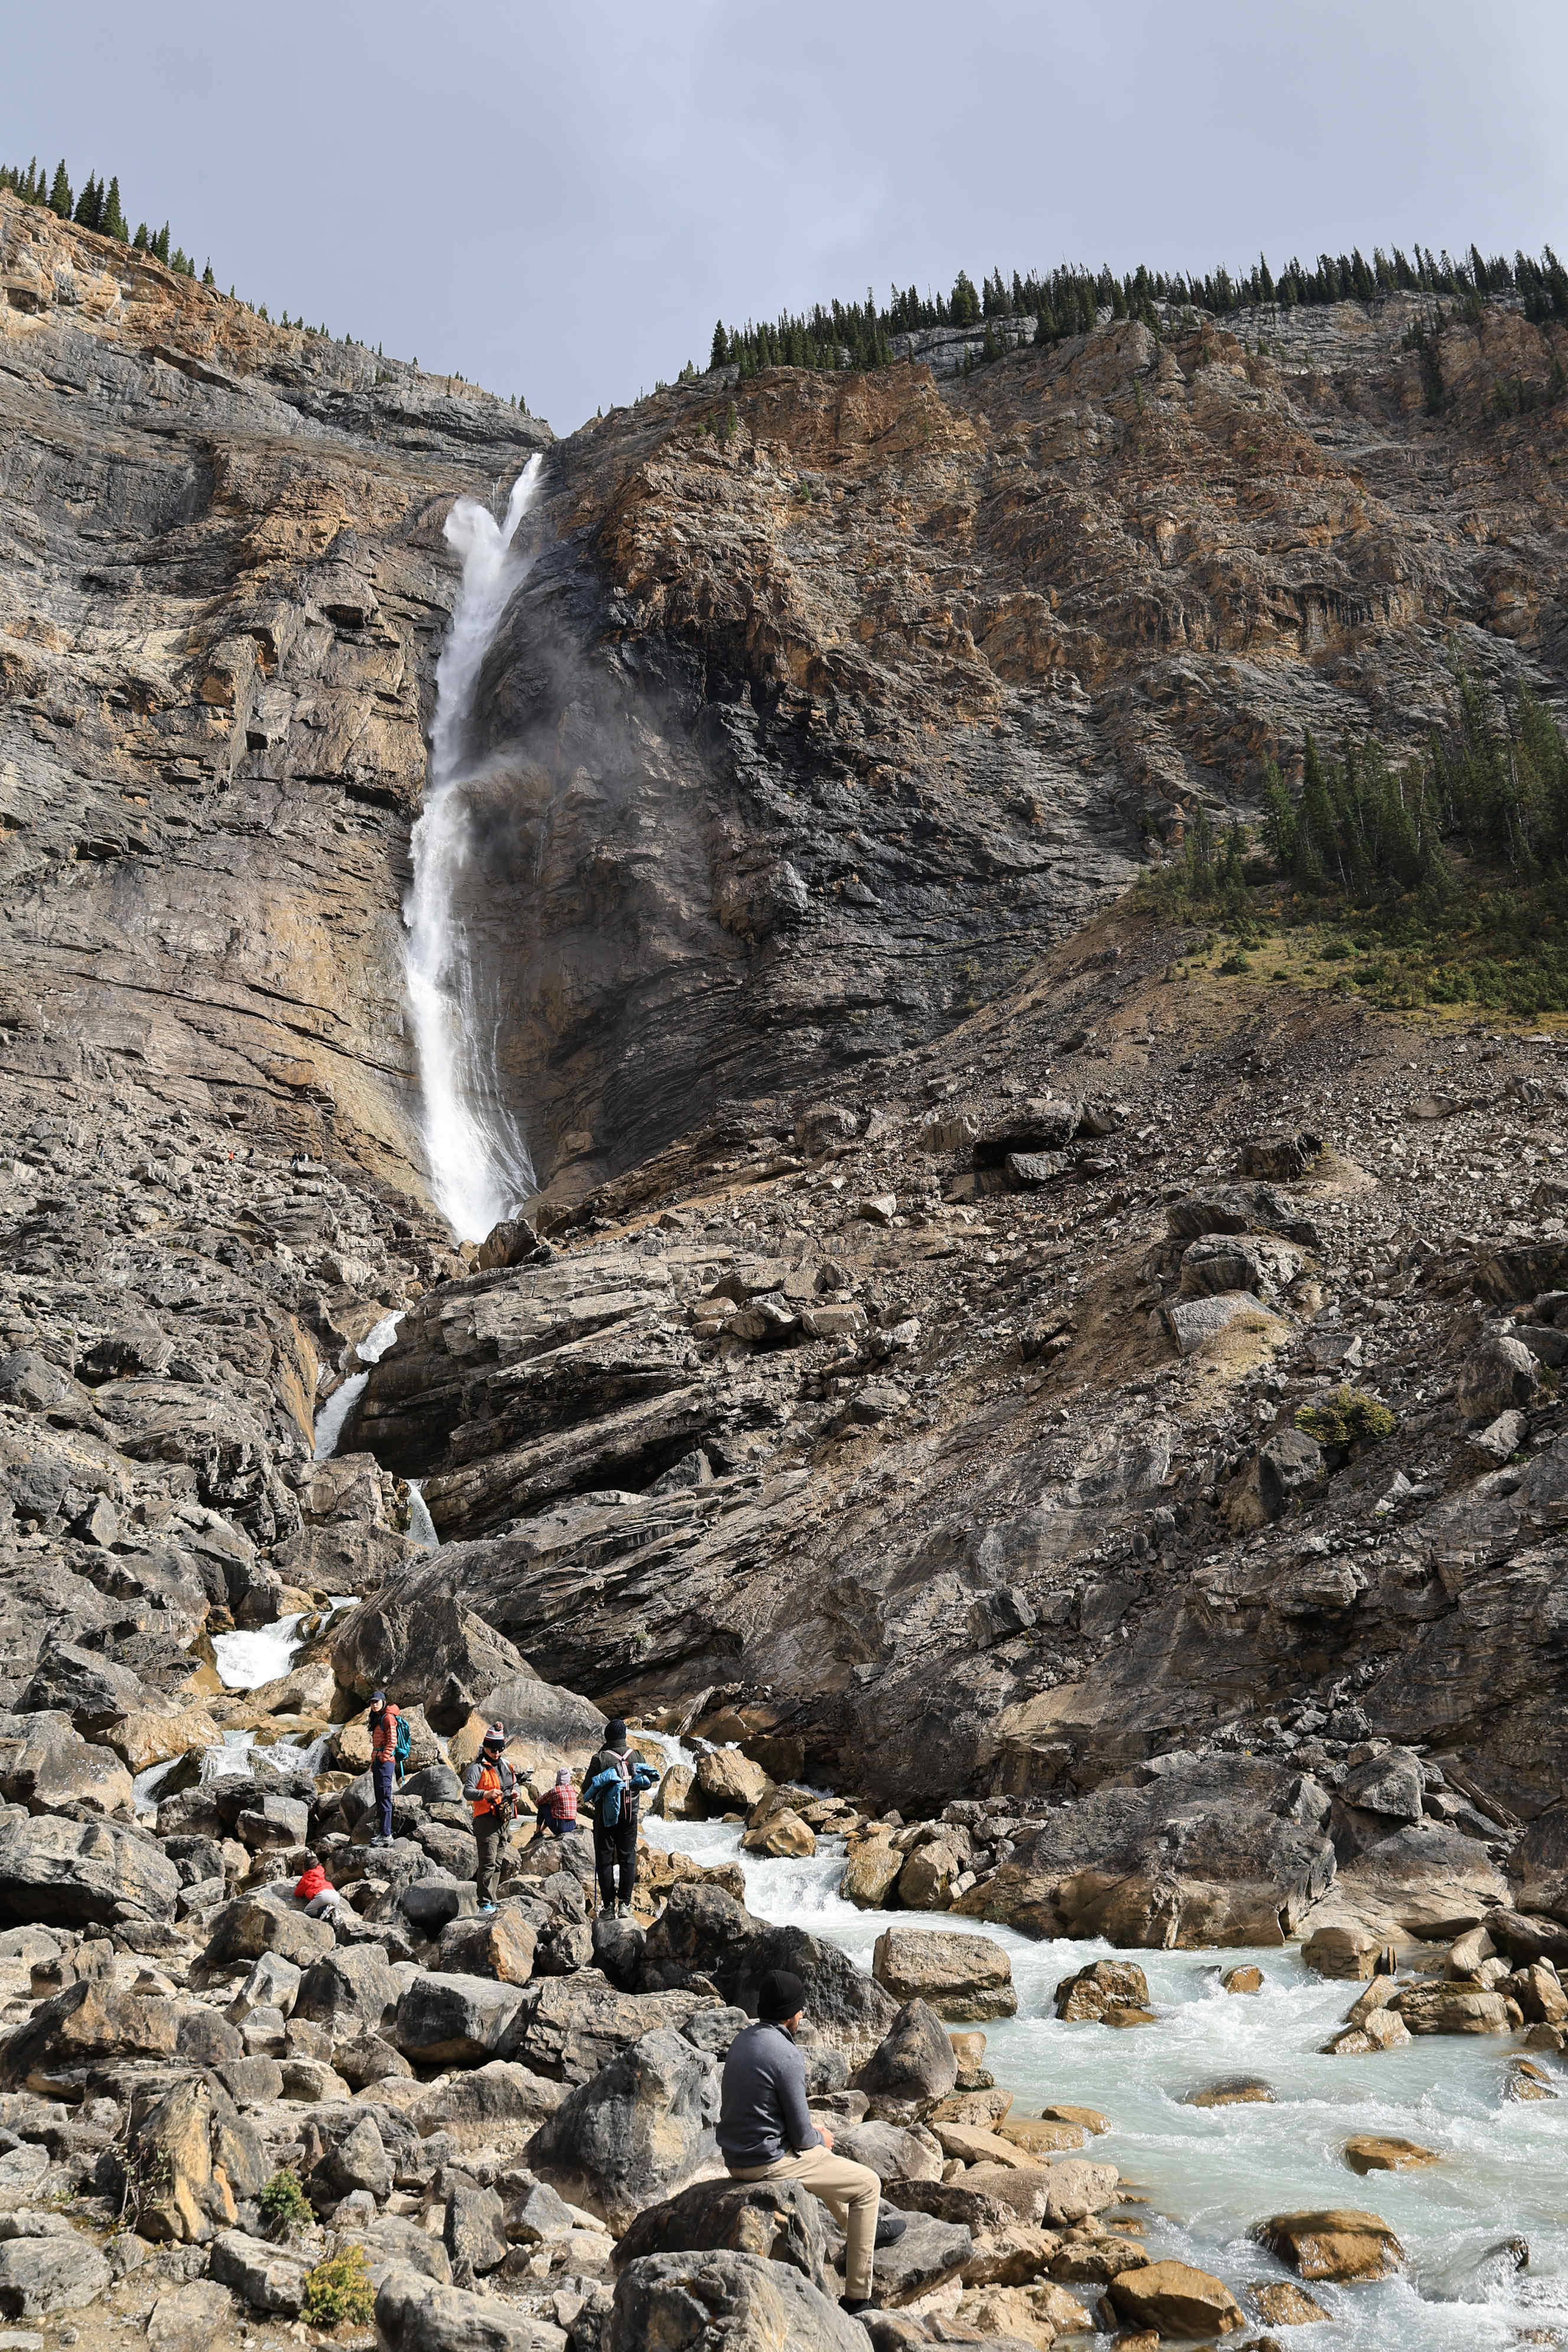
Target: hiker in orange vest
{"points": [[491, 1787]]}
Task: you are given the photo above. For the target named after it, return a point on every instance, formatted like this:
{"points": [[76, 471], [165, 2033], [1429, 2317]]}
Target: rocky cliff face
{"points": [[838, 698], [222, 590]]}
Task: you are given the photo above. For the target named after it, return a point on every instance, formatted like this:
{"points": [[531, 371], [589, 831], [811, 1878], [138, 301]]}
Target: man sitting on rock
{"points": [[766, 2133]]}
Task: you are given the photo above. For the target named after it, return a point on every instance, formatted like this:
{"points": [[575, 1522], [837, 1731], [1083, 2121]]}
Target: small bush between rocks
{"points": [[1350, 1417], [285, 2204], [338, 2292]]}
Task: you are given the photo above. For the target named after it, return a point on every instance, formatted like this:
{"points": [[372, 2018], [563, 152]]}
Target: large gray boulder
{"points": [[966, 1979], [638, 2131], [914, 2061], [1390, 1784], [701, 1931], [493, 2104], [269, 1920], [570, 2027], [725, 2301], [81, 1873], [416, 2314], [47, 1766], [892, 2152], [541, 1712], [1540, 1864], [417, 1640], [1498, 1371], [90, 1688], [779, 2219], [449, 2021], [58, 2270], [1211, 1850], [351, 1992], [473, 2231], [1291, 1468], [930, 2252], [360, 2160], [88, 2024], [270, 2278]]}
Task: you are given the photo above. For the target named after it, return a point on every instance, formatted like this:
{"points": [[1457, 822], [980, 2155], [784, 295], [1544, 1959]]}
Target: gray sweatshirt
{"points": [[762, 2114]]}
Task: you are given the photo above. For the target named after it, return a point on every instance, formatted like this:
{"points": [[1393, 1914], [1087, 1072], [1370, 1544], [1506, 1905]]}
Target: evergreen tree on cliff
{"points": [[720, 354], [88, 211], [113, 221], [60, 192]]}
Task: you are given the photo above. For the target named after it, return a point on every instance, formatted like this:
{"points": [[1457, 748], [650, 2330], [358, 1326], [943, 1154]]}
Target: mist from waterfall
{"points": [[478, 1162]]}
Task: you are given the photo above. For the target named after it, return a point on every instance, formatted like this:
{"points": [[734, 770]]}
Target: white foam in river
{"points": [[259, 1654], [1210, 2174]]}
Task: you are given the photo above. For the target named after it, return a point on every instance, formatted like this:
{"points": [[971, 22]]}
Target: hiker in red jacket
{"points": [[383, 1721], [315, 1890]]}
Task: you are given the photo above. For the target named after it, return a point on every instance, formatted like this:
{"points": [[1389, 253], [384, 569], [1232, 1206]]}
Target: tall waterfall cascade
{"points": [[478, 1162]]}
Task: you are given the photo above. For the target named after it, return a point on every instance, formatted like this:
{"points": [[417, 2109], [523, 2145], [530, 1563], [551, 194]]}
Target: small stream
{"points": [[1210, 2174], [334, 1413]]}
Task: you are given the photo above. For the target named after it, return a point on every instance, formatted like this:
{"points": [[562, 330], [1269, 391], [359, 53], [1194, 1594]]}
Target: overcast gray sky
{"points": [[560, 201]]}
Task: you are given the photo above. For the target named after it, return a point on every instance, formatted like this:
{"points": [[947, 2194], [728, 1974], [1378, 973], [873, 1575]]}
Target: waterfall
{"points": [[479, 1165]]}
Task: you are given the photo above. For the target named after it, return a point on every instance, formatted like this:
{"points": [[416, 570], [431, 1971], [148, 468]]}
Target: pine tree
{"points": [[60, 192], [964, 305], [113, 222], [139, 242], [161, 243], [207, 278], [90, 203], [720, 354]]}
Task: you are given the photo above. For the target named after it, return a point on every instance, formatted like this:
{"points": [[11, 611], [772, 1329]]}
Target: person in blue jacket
{"points": [[611, 1792]]}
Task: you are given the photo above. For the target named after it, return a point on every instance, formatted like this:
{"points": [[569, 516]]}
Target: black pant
{"points": [[615, 1853]]}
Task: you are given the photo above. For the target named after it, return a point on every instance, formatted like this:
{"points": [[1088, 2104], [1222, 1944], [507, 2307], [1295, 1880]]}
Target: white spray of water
{"points": [[334, 1413], [421, 1525], [479, 1165]]}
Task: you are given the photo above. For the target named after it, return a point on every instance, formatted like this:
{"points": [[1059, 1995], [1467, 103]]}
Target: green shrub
{"points": [[338, 2292], [1350, 1417], [285, 2204]]}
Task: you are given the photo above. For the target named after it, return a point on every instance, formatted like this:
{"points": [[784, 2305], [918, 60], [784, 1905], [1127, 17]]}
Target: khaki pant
{"points": [[851, 2193], [490, 1837]]}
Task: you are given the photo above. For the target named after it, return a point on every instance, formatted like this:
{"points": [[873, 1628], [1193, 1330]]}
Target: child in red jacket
{"points": [[316, 1891]]}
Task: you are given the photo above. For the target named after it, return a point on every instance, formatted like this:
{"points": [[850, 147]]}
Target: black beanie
{"points": [[780, 1995], [616, 1734]]}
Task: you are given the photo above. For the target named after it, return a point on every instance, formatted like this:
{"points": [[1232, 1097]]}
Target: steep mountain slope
{"points": [[838, 698]]}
